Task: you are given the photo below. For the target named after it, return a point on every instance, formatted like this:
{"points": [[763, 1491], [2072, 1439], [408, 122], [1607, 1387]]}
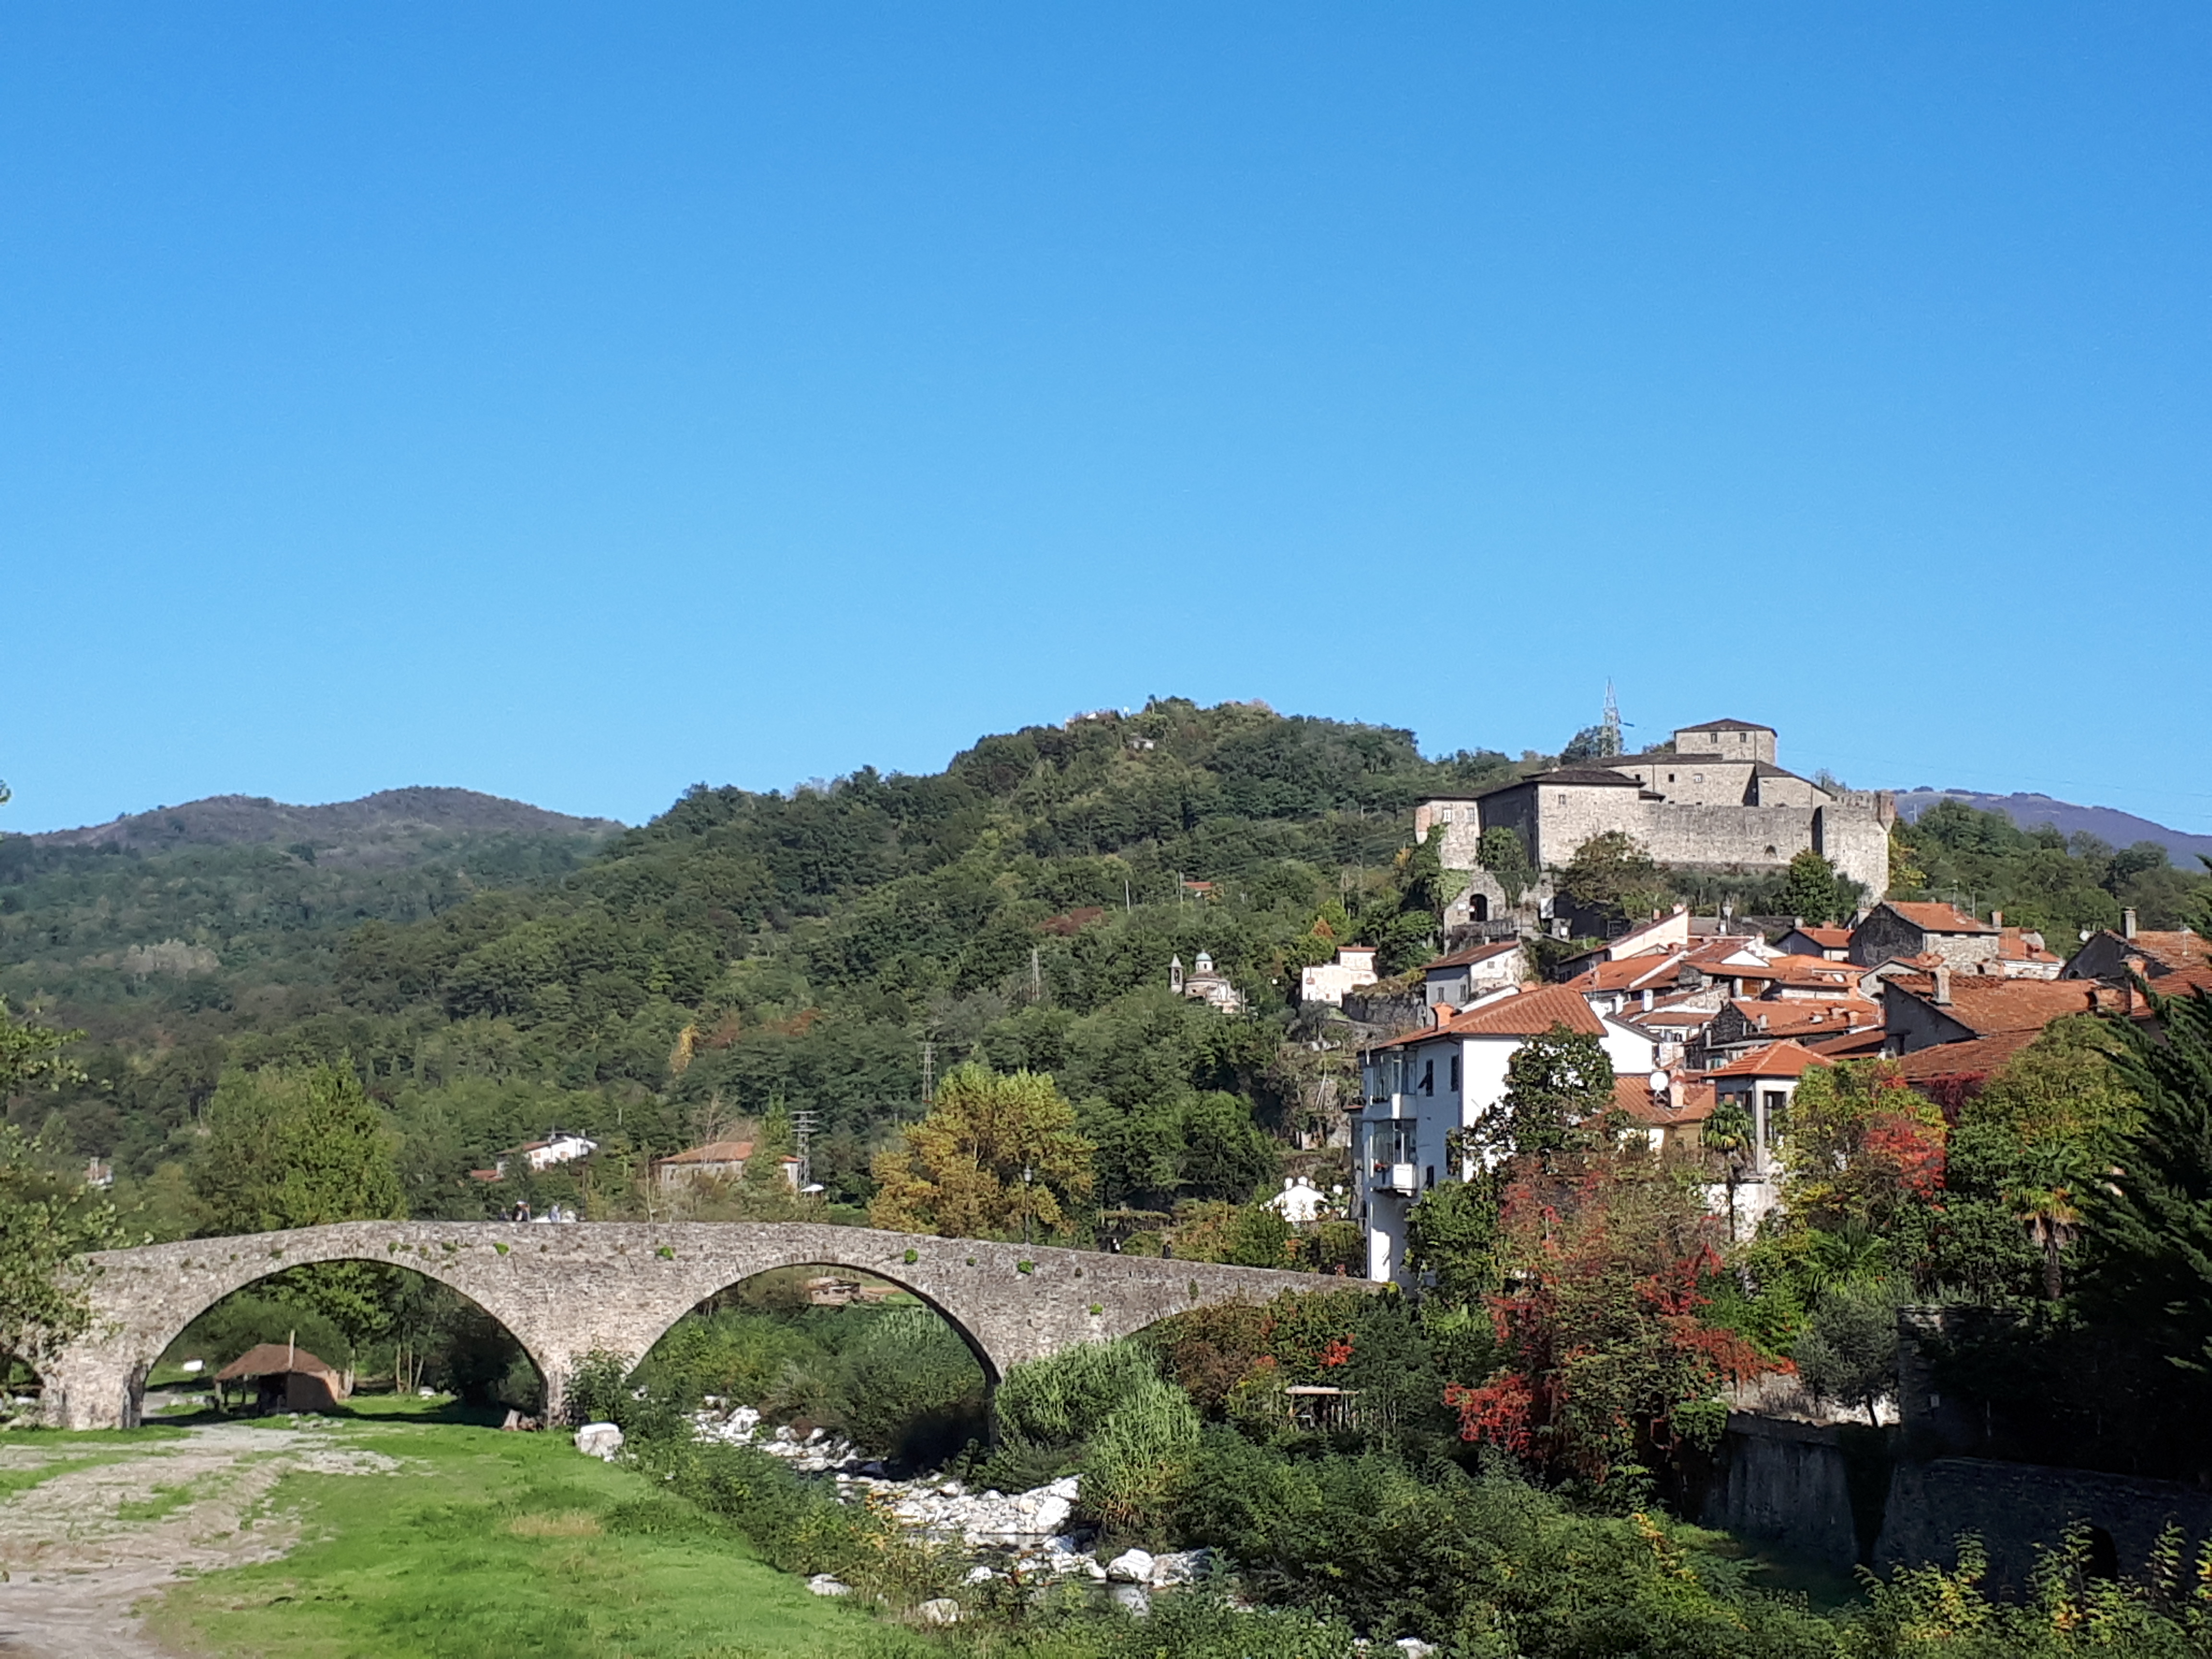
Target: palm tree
{"points": [[1731, 1132], [2052, 1222]]}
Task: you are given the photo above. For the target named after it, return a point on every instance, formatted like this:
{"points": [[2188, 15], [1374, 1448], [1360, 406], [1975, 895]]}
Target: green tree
{"points": [[295, 1147], [33, 1057], [1731, 1136], [1810, 888], [46, 1216], [1452, 1232], [995, 1155], [2151, 1220], [1503, 852], [303, 1146], [1849, 1352], [1558, 1101], [1612, 875]]}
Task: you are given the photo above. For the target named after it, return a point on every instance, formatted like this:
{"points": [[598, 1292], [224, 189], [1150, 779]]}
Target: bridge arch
{"points": [[570, 1290]]}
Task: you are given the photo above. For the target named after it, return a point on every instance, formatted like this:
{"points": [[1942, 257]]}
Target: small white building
{"points": [[1300, 1203], [1466, 977], [559, 1146], [1215, 990], [1328, 981], [1420, 1088]]}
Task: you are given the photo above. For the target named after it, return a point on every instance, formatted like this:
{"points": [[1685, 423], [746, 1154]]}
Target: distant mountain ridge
{"points": [[390, 824], [2030, 811]]}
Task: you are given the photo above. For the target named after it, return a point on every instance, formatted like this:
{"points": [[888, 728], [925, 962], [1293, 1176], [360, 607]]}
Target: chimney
{"points": [[1647, 999], [1997, 920], [1943, 997], [2128, 923]]}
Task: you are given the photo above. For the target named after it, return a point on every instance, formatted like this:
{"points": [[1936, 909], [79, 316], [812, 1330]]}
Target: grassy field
{"points": [[491, 1544]]}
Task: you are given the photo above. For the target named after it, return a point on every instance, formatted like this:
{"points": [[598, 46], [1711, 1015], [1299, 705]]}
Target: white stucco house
{"points": [[1418, 1088], [1328, 981]]}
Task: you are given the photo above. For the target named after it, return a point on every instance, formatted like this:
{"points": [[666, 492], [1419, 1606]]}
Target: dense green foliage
{"points": [[2039, 878], [747, 956]]}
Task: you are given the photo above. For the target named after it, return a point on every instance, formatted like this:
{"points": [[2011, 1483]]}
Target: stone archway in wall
{"points": [[568, 1291]]}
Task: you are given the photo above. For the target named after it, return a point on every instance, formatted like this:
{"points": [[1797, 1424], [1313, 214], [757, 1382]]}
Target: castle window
{"points": [[1696, 777], [1670, 777]]}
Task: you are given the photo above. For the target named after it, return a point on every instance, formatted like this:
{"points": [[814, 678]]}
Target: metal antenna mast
{"points": [[1611, 742], [803, 1123]]}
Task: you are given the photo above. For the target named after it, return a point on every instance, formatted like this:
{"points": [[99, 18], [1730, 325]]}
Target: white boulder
{"points": [[938, 1610], [600, 1440], [1131, 1567], [823, 1584]]}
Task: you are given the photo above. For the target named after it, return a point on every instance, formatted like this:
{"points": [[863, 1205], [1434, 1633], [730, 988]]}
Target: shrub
{"points": [[1066, 1400], [1139, 1458], [908, 1388]]}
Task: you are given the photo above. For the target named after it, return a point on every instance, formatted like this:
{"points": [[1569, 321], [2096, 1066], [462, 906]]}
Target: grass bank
{"points": [[490, 1544]]}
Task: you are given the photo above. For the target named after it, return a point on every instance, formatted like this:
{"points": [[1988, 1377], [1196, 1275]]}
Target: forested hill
{"points": [[391, 827], [192, 923], [745, 952]]}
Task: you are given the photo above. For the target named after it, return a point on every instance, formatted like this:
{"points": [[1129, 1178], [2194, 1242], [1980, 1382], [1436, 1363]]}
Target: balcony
{"points": [[1396, 1178]]}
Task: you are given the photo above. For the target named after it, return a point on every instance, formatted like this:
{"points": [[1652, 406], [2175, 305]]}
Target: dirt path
{"points": [[82, 1548]]}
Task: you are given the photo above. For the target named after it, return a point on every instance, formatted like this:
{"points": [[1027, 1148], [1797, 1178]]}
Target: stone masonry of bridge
{"points": [[568, 1291]]}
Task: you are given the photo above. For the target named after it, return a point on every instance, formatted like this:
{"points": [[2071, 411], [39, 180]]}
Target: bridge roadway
{"points": [[570, 1290]]}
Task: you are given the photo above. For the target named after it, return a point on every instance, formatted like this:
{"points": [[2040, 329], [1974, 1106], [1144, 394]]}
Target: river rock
{"points": [[1131, 1567], [823, 1584], [938, 1610], [600, 1440], [1184, 1567]]}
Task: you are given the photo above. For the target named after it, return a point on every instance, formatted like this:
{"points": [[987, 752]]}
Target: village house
{"points": [[718, 1160], [1328, 981], [1938, 932], [1421, 1088], [559, 1146], [1833, 943], [1468, 976], [2150, 954], [1746, 1023], [1927, 1010], [1670, 1111]]}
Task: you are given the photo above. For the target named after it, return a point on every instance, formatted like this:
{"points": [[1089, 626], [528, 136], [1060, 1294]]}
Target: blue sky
{"points": [[577, 402]]}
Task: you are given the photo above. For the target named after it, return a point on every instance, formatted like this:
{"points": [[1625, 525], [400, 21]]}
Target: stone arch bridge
{"points": [[564, 1291]]}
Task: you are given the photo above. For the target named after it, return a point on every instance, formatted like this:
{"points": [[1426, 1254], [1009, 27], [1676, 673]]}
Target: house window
{"points": [[1455, 1082], [1429, 1078], [1430, 1179]]}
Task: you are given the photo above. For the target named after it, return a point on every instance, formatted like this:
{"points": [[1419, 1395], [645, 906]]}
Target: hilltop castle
{"points": [[1715, 800]]}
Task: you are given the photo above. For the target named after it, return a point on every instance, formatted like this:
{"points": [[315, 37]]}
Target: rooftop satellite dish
{"points": [[1658, 1082]]}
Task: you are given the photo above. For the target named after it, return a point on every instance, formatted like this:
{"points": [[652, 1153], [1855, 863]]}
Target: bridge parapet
{"points": [[570, 1290]]}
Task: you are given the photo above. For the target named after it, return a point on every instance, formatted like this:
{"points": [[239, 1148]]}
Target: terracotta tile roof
{"points": [[2016, 946], [1988, 1003], [1713, 955], [1690, 1101], [714, 1151], [1532, 1013], [1982, 1057], [1809, 1019], [1810, 970], [1726, 725], [1828, 938], [1853, 1045], [2178, 949], [1523, 1014], [1682, 1015], [1628, 974], [1463, 958], [1938, 918], [1784, 1059]]}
